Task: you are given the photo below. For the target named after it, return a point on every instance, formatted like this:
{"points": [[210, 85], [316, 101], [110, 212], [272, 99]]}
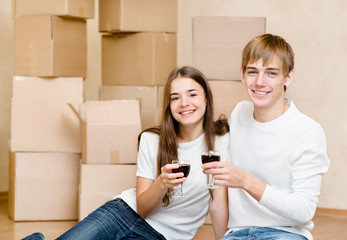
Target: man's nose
{"points": [[260, 79]]}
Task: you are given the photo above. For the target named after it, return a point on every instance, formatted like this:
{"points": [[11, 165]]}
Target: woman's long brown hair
{"points": [[169, 127]]}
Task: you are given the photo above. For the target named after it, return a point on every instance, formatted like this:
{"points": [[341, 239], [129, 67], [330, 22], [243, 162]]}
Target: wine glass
{"points": [[184, 166], [206, 157]]}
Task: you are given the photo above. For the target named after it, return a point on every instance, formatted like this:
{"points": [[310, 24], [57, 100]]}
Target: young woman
{"points": [[155, 210]]}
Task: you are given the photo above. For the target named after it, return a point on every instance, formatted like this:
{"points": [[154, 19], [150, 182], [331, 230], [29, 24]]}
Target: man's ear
{"points": [[241, 75], [289, 78]]}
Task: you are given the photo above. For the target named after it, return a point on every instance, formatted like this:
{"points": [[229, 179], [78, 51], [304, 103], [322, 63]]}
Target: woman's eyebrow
{"points": [[189, 90]]}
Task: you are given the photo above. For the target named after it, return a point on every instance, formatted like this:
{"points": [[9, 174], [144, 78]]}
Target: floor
{"points": [[326, 227]]}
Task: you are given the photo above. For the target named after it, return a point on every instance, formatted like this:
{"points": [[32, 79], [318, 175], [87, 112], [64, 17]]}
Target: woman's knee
{"points": [[35, 236]]}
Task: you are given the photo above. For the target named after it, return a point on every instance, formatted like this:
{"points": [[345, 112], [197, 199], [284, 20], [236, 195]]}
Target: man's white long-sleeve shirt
{"points": [[289, 155]]}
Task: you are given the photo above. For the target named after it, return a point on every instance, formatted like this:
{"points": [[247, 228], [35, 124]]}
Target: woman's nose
{"points": [[184, 101]]}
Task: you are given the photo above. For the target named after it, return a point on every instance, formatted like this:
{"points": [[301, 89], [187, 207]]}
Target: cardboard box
{"points": [[218, 43], [150, 98], [50, 46], [41, 120], [43, 186], [138, 15], [109, 131], [100, 183], [138, 59], [226, 94], [69, 8]]}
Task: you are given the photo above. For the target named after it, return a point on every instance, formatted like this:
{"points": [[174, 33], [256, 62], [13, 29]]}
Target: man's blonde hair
{"points": [[266, 47]]}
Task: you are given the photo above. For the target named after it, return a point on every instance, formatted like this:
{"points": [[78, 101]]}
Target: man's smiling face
{"points": [[265, 83]]}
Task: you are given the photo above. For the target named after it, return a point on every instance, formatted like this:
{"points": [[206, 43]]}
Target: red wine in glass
{"points": [[209, 158], [184, 167], [206, 157]]}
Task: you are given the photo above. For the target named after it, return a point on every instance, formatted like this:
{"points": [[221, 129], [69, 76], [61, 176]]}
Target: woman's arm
{"points": [[219, 211]]}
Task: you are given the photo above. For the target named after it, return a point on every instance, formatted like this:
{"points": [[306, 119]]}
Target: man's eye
{"points": [[252, 72], [272, 74]]}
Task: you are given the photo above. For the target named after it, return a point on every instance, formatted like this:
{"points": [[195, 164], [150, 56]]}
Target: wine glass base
{"points": [[211, 187]]}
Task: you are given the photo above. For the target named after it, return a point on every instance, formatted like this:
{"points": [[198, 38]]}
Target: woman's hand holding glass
{"points": [[183, 167], [169, 178]]}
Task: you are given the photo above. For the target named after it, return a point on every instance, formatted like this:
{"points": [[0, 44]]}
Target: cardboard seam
{"points": [[153, 56], [121, 15], [66, 7], [52, 46]]}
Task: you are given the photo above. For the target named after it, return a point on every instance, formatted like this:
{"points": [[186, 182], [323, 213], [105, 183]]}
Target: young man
{"points": [[277, 154]]}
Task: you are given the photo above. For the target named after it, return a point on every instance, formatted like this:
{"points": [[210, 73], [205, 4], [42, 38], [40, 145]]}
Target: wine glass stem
{"points": [[210, 180], [181, 189]]}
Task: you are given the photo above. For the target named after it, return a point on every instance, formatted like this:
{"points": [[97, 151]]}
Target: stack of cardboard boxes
{"points": [[138, 53], [139, 50], [109, 150], [50, 65], [217, 48]]}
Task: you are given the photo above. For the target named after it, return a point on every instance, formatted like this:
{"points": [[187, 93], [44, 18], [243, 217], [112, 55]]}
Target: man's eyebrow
{"points": [[269, 68], [273, 69]]}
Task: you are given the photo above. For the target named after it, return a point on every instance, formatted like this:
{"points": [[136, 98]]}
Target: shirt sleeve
{"points": [[300, 204], [147, 156]]}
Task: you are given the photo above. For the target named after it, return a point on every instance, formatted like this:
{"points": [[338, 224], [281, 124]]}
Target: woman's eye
{"points": [[174, 99], [193, 95]]}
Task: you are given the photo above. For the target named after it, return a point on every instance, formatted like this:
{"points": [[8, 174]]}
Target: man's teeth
{"points": [[187, 112], [261, 93]]}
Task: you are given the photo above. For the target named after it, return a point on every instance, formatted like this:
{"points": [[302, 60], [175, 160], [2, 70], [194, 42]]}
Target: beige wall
{"points": [[317, 31]]}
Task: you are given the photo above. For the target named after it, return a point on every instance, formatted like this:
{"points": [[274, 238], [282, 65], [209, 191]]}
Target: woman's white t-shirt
{"points": [[184, 215]]}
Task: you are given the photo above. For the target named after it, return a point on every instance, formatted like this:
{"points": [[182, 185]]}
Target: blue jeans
{"points": [[262, 233], [113, 220]]}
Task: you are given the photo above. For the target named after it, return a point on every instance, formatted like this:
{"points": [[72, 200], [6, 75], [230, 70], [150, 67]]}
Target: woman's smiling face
{"points": [[187, 102]]}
